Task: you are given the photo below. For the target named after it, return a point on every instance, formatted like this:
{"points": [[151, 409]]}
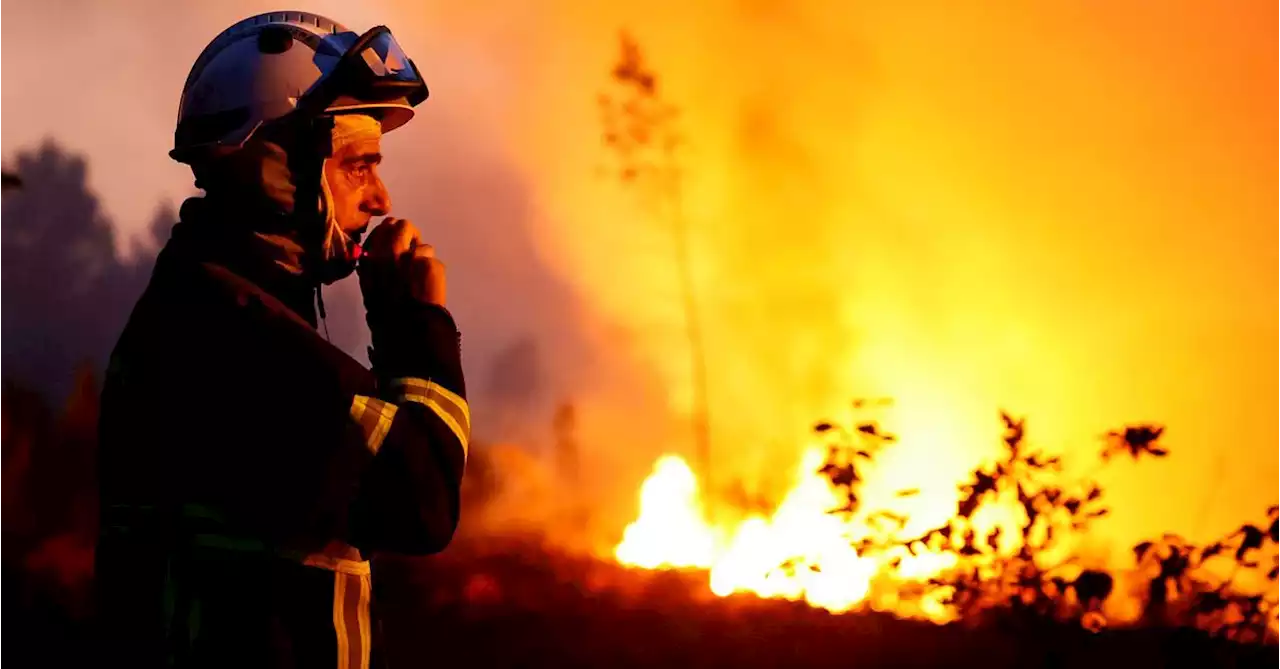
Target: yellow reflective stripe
{"points": [[362, 617], [340, 619], [414, 388], [330, 563], [458, 431], [351, 596], [451, 408], [374, 418]]}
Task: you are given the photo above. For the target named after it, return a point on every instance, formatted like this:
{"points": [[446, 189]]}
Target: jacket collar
{"points": [[256, 248]]}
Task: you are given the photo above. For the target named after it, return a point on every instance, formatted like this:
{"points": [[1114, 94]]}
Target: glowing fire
{"points": [[672, 530], [749, 554]]}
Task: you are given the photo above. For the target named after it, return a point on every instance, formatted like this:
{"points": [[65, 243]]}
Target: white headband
{"points": [[349, 128]]}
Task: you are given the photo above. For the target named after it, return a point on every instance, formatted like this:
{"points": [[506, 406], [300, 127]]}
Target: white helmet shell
{"points": [[255, 72]]}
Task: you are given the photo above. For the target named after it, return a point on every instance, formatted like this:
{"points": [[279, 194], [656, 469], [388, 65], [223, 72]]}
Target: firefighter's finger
{"points": [[408, 260], [406, 237]]}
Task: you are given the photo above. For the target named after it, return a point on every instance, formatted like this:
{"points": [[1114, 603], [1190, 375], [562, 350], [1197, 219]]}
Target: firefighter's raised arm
{"points": [[419, 425]]}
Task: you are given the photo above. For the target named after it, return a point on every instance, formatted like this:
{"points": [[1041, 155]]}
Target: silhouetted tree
{"points": [[565, 425], [67, 291], [515, 375], [147, 247], [641, 133]]}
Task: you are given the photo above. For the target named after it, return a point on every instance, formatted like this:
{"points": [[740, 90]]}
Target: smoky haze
{"points": [[1062, 210]]}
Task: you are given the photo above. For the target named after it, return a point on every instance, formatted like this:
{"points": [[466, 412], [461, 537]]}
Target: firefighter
{"points": [[248, 468]]}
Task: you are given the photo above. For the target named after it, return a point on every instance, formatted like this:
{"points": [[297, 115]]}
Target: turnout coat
{"points": [[248, 468]]}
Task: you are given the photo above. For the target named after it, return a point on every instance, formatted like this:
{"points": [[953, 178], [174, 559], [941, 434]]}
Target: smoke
{"points": [[1062, 210], [1065, 212]]}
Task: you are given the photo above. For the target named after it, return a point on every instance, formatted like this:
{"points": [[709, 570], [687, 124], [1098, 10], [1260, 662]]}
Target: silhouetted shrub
{"points": [[1040, 576]]}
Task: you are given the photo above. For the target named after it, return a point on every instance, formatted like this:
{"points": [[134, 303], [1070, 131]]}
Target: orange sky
{"points": [[1065, 209]]}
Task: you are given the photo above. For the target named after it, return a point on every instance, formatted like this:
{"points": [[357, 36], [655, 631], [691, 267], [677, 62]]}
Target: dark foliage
{"points": [[67, 289], [1037, 579], [639, 128], [50, 522]]}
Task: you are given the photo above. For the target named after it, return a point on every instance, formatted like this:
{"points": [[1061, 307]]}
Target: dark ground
{"points": [[527, 608], [505, 607]]}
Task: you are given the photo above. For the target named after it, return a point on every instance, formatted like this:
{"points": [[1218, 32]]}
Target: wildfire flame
{"points": [[800, 552]]}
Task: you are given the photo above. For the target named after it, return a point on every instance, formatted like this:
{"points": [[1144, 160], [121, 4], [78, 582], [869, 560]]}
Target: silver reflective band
{"points": [[447, 405]]}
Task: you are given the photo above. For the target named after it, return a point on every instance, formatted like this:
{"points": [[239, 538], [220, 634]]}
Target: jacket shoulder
{"points": [[241, 292], [286, 327]]}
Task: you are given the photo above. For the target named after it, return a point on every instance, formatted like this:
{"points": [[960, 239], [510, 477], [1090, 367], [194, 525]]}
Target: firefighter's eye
{"points": [[359, 173]]}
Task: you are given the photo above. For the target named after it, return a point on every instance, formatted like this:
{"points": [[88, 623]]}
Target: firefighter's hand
{"points": [[398, 263]]}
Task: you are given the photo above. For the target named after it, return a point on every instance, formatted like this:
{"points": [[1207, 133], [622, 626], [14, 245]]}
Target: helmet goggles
{"points": [[373, 68]]}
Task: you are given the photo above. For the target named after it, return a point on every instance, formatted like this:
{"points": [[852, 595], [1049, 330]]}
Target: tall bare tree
{"points": [[640, 131]]}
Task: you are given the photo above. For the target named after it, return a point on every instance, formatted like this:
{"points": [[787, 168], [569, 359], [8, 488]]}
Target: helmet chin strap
{"points": [[312, 145], [329, 253], [339, 248]]}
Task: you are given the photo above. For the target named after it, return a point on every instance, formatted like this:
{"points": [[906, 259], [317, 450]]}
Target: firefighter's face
{"points": [[358, 191]]}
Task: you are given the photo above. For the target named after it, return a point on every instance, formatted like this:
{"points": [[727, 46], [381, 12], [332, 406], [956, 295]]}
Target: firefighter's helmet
{"points": [[272, 65]]}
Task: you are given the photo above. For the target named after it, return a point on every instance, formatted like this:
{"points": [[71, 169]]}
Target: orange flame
{"points": [[800, 552]]}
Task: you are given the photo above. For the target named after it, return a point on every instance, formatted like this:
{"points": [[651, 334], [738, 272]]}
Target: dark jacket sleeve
{"points": [[394, 440], [409, 497]]}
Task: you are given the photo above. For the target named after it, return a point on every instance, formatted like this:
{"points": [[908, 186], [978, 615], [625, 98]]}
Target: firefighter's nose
{"points": [[377, 201]]}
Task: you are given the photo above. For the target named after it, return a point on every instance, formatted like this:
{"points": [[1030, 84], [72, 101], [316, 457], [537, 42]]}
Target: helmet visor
{"points": [[385, 59], [373, 69]]}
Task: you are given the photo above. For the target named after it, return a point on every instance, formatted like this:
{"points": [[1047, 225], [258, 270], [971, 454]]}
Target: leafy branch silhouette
{"points": [[1181, 586], [1035, 580]]}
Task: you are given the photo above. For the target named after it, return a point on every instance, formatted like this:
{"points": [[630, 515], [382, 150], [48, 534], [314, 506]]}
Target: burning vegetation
{"points": [[1012, 546], [1008, 550]]}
